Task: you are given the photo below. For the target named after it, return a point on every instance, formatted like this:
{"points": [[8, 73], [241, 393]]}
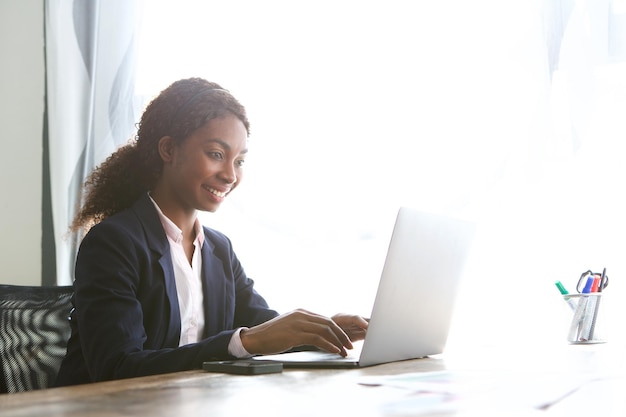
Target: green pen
{"points": [[563, 291]]}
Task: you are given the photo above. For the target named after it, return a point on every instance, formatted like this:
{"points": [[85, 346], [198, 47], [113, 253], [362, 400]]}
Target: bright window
{"points": [[510, 113]]}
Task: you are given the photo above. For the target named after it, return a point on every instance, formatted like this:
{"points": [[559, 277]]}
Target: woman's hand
{"points": [[353, 326], [300, 327]]}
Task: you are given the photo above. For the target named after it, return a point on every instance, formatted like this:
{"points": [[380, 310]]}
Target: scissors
{"points": [[604, 280]]}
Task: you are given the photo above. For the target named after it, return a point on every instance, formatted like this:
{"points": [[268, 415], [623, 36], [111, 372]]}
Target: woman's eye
{"points": [[216, 155], [241, 162]]}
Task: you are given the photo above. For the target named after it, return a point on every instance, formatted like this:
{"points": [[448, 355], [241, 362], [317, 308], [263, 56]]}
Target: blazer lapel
{"points": [[213, 288], [157, 242]]}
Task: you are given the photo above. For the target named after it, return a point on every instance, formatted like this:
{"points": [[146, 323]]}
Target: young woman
{"points": [[155, 291]]}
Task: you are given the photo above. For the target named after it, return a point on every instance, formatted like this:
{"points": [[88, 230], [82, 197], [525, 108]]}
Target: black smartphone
{"points": [[243, 367]]}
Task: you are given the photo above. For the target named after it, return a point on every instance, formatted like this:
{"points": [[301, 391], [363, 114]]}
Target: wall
{"points": [[21, 122]]}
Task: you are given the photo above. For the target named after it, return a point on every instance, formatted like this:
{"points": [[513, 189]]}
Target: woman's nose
{"points": [[228, 174]]}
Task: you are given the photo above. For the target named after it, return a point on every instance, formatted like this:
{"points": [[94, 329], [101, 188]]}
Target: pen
{"points": [[588, 285], [570, 301], [590, 309], [595, 311], [580, 310]]}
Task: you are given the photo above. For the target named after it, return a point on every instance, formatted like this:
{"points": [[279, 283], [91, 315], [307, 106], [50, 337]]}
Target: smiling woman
{"points": [[208, 165], [154, 290], [181, 114]]}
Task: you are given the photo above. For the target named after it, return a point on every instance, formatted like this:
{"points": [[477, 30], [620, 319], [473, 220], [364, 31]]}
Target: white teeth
{"points": [[217, 193]]}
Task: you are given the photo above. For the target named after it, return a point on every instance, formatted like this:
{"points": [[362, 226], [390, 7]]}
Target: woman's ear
{"points": [[166, 148]]}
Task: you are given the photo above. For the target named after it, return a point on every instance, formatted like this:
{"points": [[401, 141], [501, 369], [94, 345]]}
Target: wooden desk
{"points": [[326, 392]]}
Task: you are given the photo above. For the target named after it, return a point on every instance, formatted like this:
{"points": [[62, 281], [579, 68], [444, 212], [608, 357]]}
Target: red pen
{"points": [[597, 306], [596, 283]]}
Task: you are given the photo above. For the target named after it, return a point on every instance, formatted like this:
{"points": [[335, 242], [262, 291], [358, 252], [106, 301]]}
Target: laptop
{"points": [[415, 299]]}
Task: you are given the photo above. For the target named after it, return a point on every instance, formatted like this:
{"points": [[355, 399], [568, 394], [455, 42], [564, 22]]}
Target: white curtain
{"points": [[90, 72]]}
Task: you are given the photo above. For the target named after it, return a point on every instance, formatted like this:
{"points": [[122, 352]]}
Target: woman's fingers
{"points": [[326, 335], [323, 332], [299, 327], [354, 326]]}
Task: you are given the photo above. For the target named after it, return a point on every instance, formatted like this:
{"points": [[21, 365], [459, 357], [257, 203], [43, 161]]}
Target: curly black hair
{"points": [[178, 111]]}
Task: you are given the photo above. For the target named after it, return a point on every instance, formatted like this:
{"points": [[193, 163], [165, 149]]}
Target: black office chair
{"points": [[34, 328]]}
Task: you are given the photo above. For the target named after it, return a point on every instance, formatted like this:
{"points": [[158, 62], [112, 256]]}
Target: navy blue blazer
{"points": [[126, 318]]}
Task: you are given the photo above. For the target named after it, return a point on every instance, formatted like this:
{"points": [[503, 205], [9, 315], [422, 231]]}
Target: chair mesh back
{"points": [[34, 328]]}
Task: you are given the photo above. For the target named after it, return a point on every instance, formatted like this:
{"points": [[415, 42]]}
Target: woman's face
{"points": [[206, 167]]}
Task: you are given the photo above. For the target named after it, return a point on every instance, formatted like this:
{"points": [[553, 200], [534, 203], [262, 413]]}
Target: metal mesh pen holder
{"points": [[585, 327]]}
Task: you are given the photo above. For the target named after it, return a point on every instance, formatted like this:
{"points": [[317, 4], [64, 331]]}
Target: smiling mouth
{"points": [[215, 192]]}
